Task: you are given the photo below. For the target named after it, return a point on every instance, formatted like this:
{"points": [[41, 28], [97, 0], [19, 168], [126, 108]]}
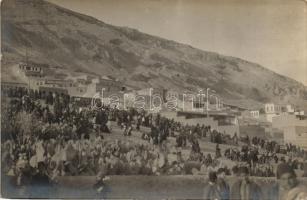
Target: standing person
{"points": [[195, 146], [305, 170], [287, 186], [211, 190], [223, 186], [139, 122], [235, 138], [217, 151], [101, 120], [245, 188]]}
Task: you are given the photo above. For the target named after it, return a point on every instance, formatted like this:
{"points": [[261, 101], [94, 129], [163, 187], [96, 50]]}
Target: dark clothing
{"points": [[101, 118], [211, 192], [273, 193], [223, 188], [252, 191]]}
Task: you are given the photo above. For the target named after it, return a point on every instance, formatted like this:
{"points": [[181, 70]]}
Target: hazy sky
{"points": [[272, 33]]}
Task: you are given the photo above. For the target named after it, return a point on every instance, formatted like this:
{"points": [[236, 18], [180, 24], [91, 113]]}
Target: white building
{"points": [[255, 114], [294, 128], [286, 120], [296, 135], [289, 108], [33, 70], [271, 110]]}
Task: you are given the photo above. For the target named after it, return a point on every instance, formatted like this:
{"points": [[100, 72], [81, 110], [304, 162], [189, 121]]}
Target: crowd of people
{"points": [[64, 138]]}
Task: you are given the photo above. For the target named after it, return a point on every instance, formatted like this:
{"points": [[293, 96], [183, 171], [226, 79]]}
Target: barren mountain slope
{"points": [[60, 37]]}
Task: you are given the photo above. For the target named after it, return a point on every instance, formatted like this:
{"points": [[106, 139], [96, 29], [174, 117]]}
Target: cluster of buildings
{"points": [[42, 78], [281, 122], [278, 122]]}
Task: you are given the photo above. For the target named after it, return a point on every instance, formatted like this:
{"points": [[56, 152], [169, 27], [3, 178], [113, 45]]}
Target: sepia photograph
{"points": [[154, 99]]}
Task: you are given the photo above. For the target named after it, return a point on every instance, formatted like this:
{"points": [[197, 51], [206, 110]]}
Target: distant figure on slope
{"points": [[217, 151]]}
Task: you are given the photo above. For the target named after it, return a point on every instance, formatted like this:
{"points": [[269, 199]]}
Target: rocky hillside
{"points": [[60, 37]]}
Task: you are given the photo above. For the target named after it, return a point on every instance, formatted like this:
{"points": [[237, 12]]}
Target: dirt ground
{"points": [[126, 187]]}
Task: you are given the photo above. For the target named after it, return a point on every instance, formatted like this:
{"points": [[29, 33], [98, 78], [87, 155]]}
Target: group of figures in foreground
{"points": [[62, 138]]}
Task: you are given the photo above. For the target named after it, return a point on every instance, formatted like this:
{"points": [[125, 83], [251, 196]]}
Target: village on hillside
{"points": [[151, 99], [105, 128], [284, 123]]}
